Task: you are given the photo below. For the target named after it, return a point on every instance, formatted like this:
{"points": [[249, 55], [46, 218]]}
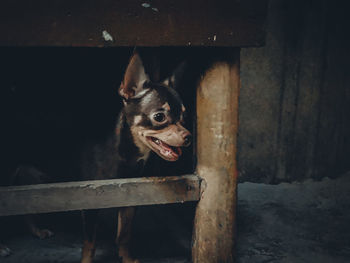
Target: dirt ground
{"points": [[300, 222]]}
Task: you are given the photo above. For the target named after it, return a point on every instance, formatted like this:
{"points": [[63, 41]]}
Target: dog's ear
{"points": [[134, 78], [173, 80]]}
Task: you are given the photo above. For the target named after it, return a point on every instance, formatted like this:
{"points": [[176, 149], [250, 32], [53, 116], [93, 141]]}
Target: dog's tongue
{"points": [[170, 151]]}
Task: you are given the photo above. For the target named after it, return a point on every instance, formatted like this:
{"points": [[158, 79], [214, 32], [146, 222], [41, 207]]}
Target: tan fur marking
{"points": [[88, 252], [183, 108], [137, 119], [166, 106]]}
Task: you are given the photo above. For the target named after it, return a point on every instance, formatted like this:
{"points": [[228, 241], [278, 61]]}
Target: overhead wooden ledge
{"points": [[217, 129], [44, 198], [233, 23]]}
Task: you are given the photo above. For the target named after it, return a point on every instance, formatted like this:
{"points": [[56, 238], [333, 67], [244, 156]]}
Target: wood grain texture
{"points": [[295, 100], [44, 198], [217, 127], [132, 23]]}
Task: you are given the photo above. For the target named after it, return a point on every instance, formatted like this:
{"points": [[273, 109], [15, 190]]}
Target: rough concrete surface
{"points": [[297, 223]]}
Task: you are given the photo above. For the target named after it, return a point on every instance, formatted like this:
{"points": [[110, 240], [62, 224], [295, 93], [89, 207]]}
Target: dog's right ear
{"points": [[134, 78]]}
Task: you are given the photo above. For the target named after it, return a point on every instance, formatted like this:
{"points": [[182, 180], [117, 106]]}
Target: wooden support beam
{"points": [[90, 23], [217, 126], [44, 198]]}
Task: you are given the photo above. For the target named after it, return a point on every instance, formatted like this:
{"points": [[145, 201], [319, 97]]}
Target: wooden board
{"points": [[132, 23], [295, 104], [44, 198], [217, 129]]}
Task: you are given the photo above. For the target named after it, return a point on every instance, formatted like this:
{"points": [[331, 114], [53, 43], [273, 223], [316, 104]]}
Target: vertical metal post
{"points": [[217, 127]]}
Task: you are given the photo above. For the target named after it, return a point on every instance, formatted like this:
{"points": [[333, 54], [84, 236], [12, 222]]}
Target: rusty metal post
{"points": [[217, 127]]}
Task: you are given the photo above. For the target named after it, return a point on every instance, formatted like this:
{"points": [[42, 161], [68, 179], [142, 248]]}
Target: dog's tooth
{"points": [[157, 141]]}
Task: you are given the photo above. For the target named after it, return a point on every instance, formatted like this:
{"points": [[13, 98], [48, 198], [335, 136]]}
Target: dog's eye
{"points": [[159, 117]]}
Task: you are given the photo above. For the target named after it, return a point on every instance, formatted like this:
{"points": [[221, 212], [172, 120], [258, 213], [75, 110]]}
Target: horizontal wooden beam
{"points": [[91, 23], [44, 198]]}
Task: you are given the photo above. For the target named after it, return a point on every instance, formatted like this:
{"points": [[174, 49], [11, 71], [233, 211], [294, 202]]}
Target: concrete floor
{"points": [[300, 222]]}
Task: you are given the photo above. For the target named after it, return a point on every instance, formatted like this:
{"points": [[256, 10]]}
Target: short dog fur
{"points": [[151, 121]]}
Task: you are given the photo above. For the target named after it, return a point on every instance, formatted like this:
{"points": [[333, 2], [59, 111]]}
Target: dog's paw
{"points": [[130, 260], [43, 233], [4, 251], [124, 255]]}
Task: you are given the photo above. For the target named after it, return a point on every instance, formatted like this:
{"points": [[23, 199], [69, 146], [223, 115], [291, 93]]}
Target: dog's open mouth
{"points": [[166, 151]]}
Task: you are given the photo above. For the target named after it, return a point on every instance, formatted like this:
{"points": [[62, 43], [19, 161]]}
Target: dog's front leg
{"points": [[125, 218], [90, 218], [31, 221]]}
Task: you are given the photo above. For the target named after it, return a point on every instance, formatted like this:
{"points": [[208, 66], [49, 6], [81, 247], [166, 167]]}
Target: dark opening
{"points": [[57, 99]]}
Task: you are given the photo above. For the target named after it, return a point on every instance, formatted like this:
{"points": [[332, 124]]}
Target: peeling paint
{"points": [[146, 5], [106, 36]]}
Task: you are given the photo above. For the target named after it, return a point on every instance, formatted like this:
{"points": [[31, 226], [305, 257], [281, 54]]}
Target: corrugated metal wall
{"points": [[295, 97]]}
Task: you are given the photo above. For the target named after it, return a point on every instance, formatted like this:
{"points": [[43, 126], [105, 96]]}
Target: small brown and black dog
{"points": [[151, 121]]}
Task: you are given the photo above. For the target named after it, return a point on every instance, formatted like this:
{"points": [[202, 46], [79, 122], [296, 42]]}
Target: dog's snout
{"points": [[187, 140]]}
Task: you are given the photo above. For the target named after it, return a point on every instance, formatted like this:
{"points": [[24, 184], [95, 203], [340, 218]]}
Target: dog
{"points": [[151, 121], [24, 175]]}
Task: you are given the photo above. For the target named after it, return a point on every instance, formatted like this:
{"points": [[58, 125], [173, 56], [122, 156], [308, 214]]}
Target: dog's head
{"points": [[154, 112]]}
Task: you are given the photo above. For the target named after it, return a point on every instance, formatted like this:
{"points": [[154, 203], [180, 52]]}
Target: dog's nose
{"points": [[187, 140]]}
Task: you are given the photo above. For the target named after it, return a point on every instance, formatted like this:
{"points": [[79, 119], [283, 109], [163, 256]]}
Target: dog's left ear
{"points": [[173, 80], [134, 78]]}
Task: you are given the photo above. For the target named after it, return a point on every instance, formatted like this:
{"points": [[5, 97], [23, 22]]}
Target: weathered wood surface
{"points": [[217, 126], [295, 100], [132, 23], [43, 198]]}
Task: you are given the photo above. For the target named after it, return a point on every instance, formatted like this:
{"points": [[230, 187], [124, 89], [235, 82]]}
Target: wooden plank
{"points": [[217, 128], [44, 198], [132, 23], [295, 103]]}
